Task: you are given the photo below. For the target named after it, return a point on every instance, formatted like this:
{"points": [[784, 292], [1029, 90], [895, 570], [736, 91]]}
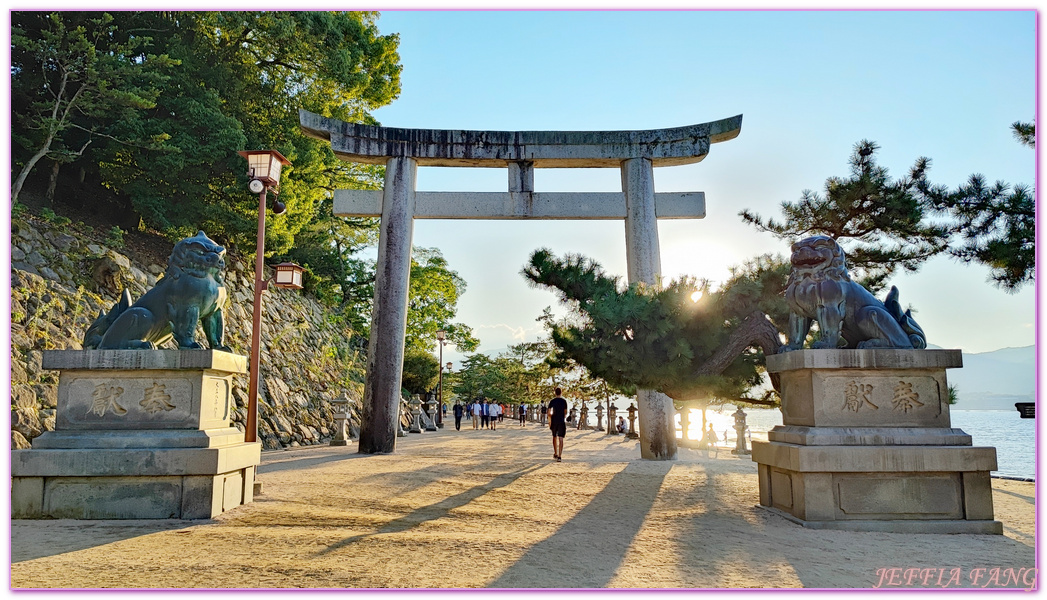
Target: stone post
{"points": [[340, 412], [657, 430], [385, 354], [632, 423]]}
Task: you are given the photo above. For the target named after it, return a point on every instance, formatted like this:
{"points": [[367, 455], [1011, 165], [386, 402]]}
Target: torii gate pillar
{"points": [[385, 347], [636, 153], [644, 264]]}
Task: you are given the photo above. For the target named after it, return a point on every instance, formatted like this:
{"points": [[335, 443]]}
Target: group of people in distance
{"points": [[486, 415]]}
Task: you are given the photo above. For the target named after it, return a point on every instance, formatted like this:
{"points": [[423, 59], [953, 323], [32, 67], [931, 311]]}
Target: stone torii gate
{"points": [[636, 153]]}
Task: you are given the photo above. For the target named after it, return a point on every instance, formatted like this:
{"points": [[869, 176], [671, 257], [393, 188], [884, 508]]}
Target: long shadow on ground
{"points": [[606, 524], [434, 511], [753, 543], [306, 462], [89, 534]]}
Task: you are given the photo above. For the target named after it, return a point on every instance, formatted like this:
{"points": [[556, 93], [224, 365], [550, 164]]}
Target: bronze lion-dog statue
{"points": [[191, 291], [820, 289]]}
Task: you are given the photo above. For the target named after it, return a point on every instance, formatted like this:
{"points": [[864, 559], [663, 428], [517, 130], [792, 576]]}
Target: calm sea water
{"points": [[1013, 437]]}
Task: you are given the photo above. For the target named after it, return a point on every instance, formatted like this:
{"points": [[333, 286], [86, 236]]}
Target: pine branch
{"points": [[755, 330]]}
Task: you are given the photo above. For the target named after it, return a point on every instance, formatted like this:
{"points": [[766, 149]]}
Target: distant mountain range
{"points": [[995, 380]]}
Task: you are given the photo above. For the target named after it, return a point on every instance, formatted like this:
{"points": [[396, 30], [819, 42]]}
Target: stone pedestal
{"points": [[867, 445], [139, 434]]}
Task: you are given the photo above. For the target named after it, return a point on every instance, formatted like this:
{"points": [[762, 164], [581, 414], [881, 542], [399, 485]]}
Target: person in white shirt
{"points": [[495, 410], [475, 409]]}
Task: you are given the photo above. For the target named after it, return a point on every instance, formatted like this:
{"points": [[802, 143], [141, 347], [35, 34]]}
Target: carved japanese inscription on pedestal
{"points": [[905, 399], [217, 394], [857, 395], [126, 403], [104, 397], [156, 399], [888, 400], [868, 394]]}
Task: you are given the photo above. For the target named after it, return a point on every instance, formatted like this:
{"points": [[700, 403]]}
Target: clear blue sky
{"points": [[946, 85]]}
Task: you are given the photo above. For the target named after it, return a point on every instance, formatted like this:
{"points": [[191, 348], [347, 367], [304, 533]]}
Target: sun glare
{"points": [[696, 296]]}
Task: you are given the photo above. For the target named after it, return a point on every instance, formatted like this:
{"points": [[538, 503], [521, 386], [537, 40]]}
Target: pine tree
{"points": [[996, 224], [881, 223], [662, 339]]}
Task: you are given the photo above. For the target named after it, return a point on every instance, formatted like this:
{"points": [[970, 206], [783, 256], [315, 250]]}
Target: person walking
{"points": [[475, 410], [485, 414], [541, 413], [558, 422], [523, 415], [709, 441], [458, 410], [495, 410]]}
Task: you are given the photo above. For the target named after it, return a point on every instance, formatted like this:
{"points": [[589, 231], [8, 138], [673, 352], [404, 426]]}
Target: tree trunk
{"points": [[52, 183], [16, 187]]}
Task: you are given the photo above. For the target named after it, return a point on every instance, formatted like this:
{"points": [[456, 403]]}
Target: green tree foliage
{"points": [[235, 80], [535, 379], [1025, 133], [75, 78], [484, 377], [330, 250], [881, 223], [661, 339], [421, 371], [995, 225], [432, 301], [245, 76], [886, 224]]}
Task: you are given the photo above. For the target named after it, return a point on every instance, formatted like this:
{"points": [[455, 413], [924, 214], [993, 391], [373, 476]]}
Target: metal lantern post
{"points": [[441, 336], [449, 363], [264, 168]]}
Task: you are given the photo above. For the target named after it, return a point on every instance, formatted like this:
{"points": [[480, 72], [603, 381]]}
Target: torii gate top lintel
{"points": [[356, 142]]}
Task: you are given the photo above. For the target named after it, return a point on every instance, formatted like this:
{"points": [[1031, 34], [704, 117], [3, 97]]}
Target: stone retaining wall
{"points": [[61, 279]]}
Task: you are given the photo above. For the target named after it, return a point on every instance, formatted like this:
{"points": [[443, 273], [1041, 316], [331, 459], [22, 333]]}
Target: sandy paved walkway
{"points": [[447, 502]]}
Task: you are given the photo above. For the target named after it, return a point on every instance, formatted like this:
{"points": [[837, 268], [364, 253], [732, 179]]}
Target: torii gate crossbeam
{"points": [[636, 153]]}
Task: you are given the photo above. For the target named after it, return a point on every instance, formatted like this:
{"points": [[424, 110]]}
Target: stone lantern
{"points": [[599, 416], [430, 405], [340, 412], [739, 428], [416, 415], [583, 417]]}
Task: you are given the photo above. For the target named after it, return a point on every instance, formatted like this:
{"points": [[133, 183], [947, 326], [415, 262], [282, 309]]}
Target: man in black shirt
{"points": [[458, 410], [557, 422]]}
